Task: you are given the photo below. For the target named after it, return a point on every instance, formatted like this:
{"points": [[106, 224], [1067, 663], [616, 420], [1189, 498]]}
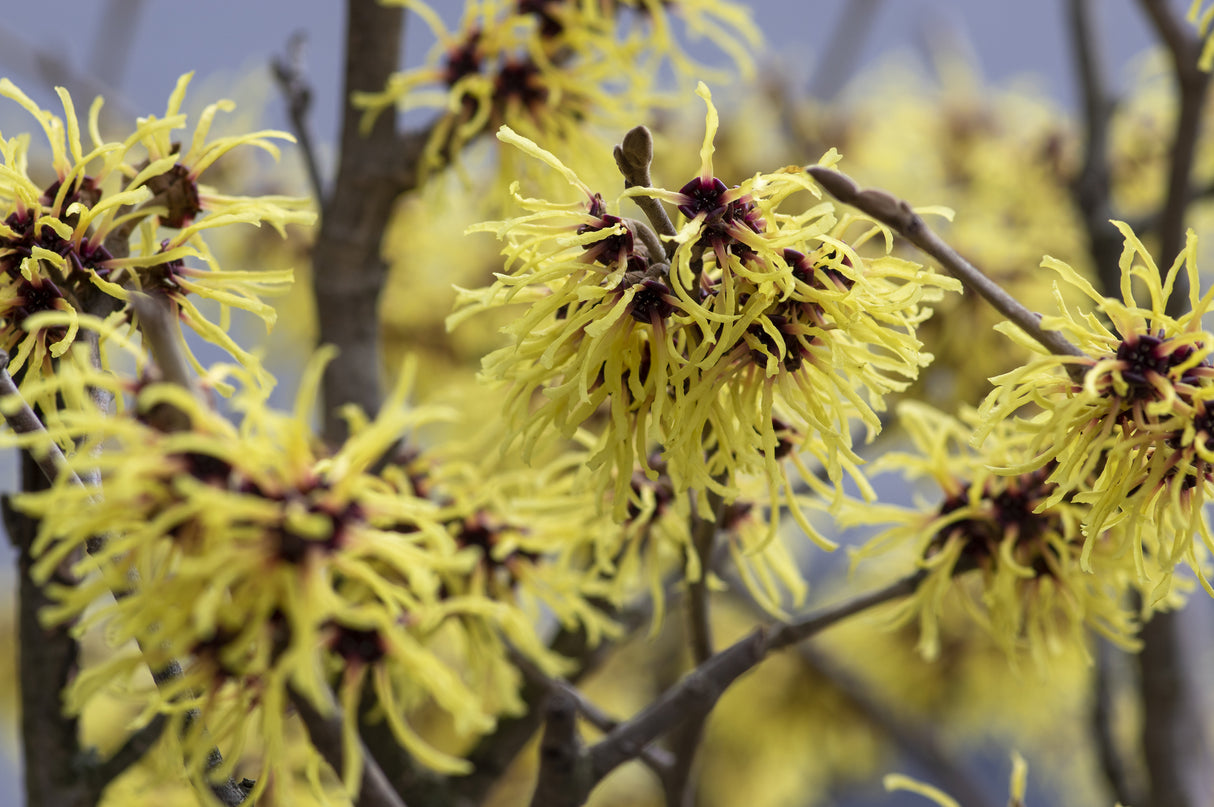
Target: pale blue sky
{"points": [[170, 38]]}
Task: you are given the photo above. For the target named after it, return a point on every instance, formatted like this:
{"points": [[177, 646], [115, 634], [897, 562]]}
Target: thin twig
{"points": [[113, 43], [897, 214], [156, 321], [1090, 189], [699, 691], [135, 748], [657, 759], [685, 739], [917, 741], [1184, 46], [633, 157], [23, 420], [844, 46], [1104, 700], [51, 68], [52, 463], [291, 76], [1173, 732], [493, 755], [326, 735], [563, 774], [48, 660]]}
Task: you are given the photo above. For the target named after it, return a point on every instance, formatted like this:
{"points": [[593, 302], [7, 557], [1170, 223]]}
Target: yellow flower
{"points": [[552, 68], [97, 231], [264, 566], [748, 345], [1031, 593], [1124, 430]]}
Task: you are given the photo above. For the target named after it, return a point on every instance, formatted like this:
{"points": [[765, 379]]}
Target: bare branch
{"points": [[326, 736], [1090, 189], [1104, 699], [656, 758], [838, 60], [917, 740], [564, 779], [113, 42], [1173, 738], [699, 691], [897, 214], [47, 661], [134, 749], [1184, 47], [291, 76], [347, 270], [685, 738], [23, 420], [53, 70]]}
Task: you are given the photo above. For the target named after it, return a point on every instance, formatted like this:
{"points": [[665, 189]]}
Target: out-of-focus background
{"points": [[93, 44], [132, 51]]}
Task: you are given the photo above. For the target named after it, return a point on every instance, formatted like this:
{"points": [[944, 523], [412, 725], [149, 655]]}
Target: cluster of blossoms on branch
{"points": [[115, 218], [248, 562], [754, 332], [676, 387], [553, 68], [1125, 429]]}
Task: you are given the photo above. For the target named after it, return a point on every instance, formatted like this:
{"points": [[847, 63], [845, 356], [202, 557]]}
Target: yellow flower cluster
{"points": [[756, 333], [551, 68], [1026, 542], [1128, 429], [263, 568], [113, 217]]}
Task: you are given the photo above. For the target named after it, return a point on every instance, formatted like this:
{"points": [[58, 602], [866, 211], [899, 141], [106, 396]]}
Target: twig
{"points": [[1173, 741], [917, 740], [656, 758], [134, 749], [52, 464], [685, 739], [326, 736], [47, 661], [112, 44], [494, 754], [156, 325], [563, 775], [23, 420], [897, 214], [1184, 46], [1090, 189], [1150, 222], [699, 691], [52, 69], [290, 74], [844, 46], [1112, 760], [633, 157]]}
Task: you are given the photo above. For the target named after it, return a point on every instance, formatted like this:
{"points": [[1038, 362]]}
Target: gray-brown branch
{"points": [[897, 214], [325, 733], [698, 692], [1184, 47], [347, 271]]}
